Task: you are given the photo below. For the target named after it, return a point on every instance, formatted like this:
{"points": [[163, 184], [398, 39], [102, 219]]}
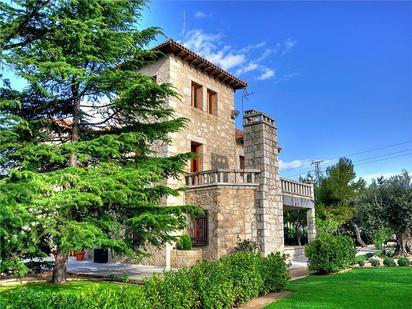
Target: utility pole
{"points": [[318, 172]]}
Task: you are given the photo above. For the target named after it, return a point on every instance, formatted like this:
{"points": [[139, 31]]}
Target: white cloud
{"points": [[251, 66], [288, 45], [369, 177], [210, 46], [238, 60], [200, 15], [267, 73], [292, 164]]}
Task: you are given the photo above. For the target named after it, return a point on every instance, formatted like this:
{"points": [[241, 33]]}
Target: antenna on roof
{"points": [[245, 96]]}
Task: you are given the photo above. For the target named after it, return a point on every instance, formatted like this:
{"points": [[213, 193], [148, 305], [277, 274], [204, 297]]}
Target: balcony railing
{"points": [[238, 177], [296, 188]]}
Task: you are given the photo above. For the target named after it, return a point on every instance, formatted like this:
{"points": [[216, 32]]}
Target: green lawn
{"points": [[71, 286], [361, 288]]}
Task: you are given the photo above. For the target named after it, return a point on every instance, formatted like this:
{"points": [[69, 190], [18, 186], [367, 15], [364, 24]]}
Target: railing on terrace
{"points": [[296, 188], [223, 177]]}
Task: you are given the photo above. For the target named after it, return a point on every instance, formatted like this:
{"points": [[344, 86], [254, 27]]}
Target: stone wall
{"points": [[295, 253], [261, 152], [231, 214], [185, 258]]}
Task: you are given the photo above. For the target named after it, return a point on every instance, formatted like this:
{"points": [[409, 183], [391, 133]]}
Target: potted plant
{"points": [[80, 255]]}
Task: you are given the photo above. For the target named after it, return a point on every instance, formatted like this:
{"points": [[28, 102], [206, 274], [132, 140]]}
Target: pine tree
{"points": [[77, 144]]}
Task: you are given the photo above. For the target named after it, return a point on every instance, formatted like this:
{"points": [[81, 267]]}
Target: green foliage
{"points": [[246, 245], [387, 205], [184, 243], [172, 289], [77, 161], [361, 263], [375, 262], [360, 258], [330, 253], [389, 262], [403, 261], [230, 281], [92, 297], [380, 237], [369, 255], [274, 272], [244, 272]]}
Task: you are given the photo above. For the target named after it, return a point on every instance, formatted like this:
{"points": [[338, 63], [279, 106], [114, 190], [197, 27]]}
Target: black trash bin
{"points": [[101, 255]]}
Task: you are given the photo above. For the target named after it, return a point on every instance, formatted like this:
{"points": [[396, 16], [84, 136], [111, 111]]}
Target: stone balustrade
{"points": [[296, 188], [236, 177]]}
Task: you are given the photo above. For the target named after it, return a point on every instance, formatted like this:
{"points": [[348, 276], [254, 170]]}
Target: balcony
{"points": [[296, 194], [225, 177]]}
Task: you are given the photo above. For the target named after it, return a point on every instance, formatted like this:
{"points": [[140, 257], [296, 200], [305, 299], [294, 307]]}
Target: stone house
{"points": [[235, 176]]}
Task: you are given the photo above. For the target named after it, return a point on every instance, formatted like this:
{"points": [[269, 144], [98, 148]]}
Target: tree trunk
{"points": [[358, 234], [401, 248], [60, 267]]}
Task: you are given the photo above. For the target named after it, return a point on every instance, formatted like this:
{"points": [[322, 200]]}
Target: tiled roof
{"points": [[202, 64]]}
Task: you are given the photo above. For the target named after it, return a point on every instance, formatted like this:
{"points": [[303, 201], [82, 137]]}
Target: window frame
{"points": [[196, 97], [212, 107]]}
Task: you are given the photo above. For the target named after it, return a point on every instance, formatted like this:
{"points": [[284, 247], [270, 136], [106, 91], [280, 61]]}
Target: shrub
{"points": [[403, 261], [361, 263], [389, 262], [243, 270], [212, 285], [330, 253], [246, 245], [375, 262], [184, 243], [172, 289], [94, 297], [274, 272], [369, 255]]}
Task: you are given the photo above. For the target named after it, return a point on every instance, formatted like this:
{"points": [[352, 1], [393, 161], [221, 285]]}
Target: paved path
{"points": [[134, 271]]}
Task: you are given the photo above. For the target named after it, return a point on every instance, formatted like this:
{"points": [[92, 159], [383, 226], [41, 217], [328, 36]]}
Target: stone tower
{"points": [[261, 152]]}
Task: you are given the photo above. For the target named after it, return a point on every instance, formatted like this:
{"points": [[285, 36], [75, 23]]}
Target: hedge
{"points": [[330, 253], [228, 282]]}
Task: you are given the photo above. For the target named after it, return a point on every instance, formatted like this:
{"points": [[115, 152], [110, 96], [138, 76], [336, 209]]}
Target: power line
{"points": [[349, 155], [382, 159]]}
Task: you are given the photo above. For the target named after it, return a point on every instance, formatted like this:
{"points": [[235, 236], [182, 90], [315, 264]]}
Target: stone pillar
{"points": [[261, 152], [310, 215], [311, 219]]}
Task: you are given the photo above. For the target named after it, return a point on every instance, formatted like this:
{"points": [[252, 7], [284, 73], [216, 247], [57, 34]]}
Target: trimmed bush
{"points": [[246, 245], [375, 262], [172, 289], [330, 253], [389, 262], [226, 283], [184, 243], [94, 297], [403, 261], [360, 258], [361, 263], [274, 272], [369, 255], [212, 285], [243, 270]]}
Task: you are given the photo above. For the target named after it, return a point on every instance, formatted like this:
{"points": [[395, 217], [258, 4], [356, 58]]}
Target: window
{"points": [[212, 102], [242, 162], [195, 163], [196, 95], [199, 230]]}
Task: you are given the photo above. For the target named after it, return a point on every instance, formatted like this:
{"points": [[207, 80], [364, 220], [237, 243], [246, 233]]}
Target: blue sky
{"points": [[336, 76]]}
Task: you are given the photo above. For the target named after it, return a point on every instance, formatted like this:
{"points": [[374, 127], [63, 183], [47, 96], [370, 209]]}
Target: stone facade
{"points": [[185, 258], [231, 216], [261, 152], [235, 210]]}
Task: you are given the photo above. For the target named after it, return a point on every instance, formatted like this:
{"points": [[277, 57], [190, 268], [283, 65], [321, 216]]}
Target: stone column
{"points": [[261, 152], [310, 218], [310, 215]]}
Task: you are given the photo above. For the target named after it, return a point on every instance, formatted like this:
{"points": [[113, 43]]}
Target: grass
{"points": [[71, 286], [361, 288]]}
